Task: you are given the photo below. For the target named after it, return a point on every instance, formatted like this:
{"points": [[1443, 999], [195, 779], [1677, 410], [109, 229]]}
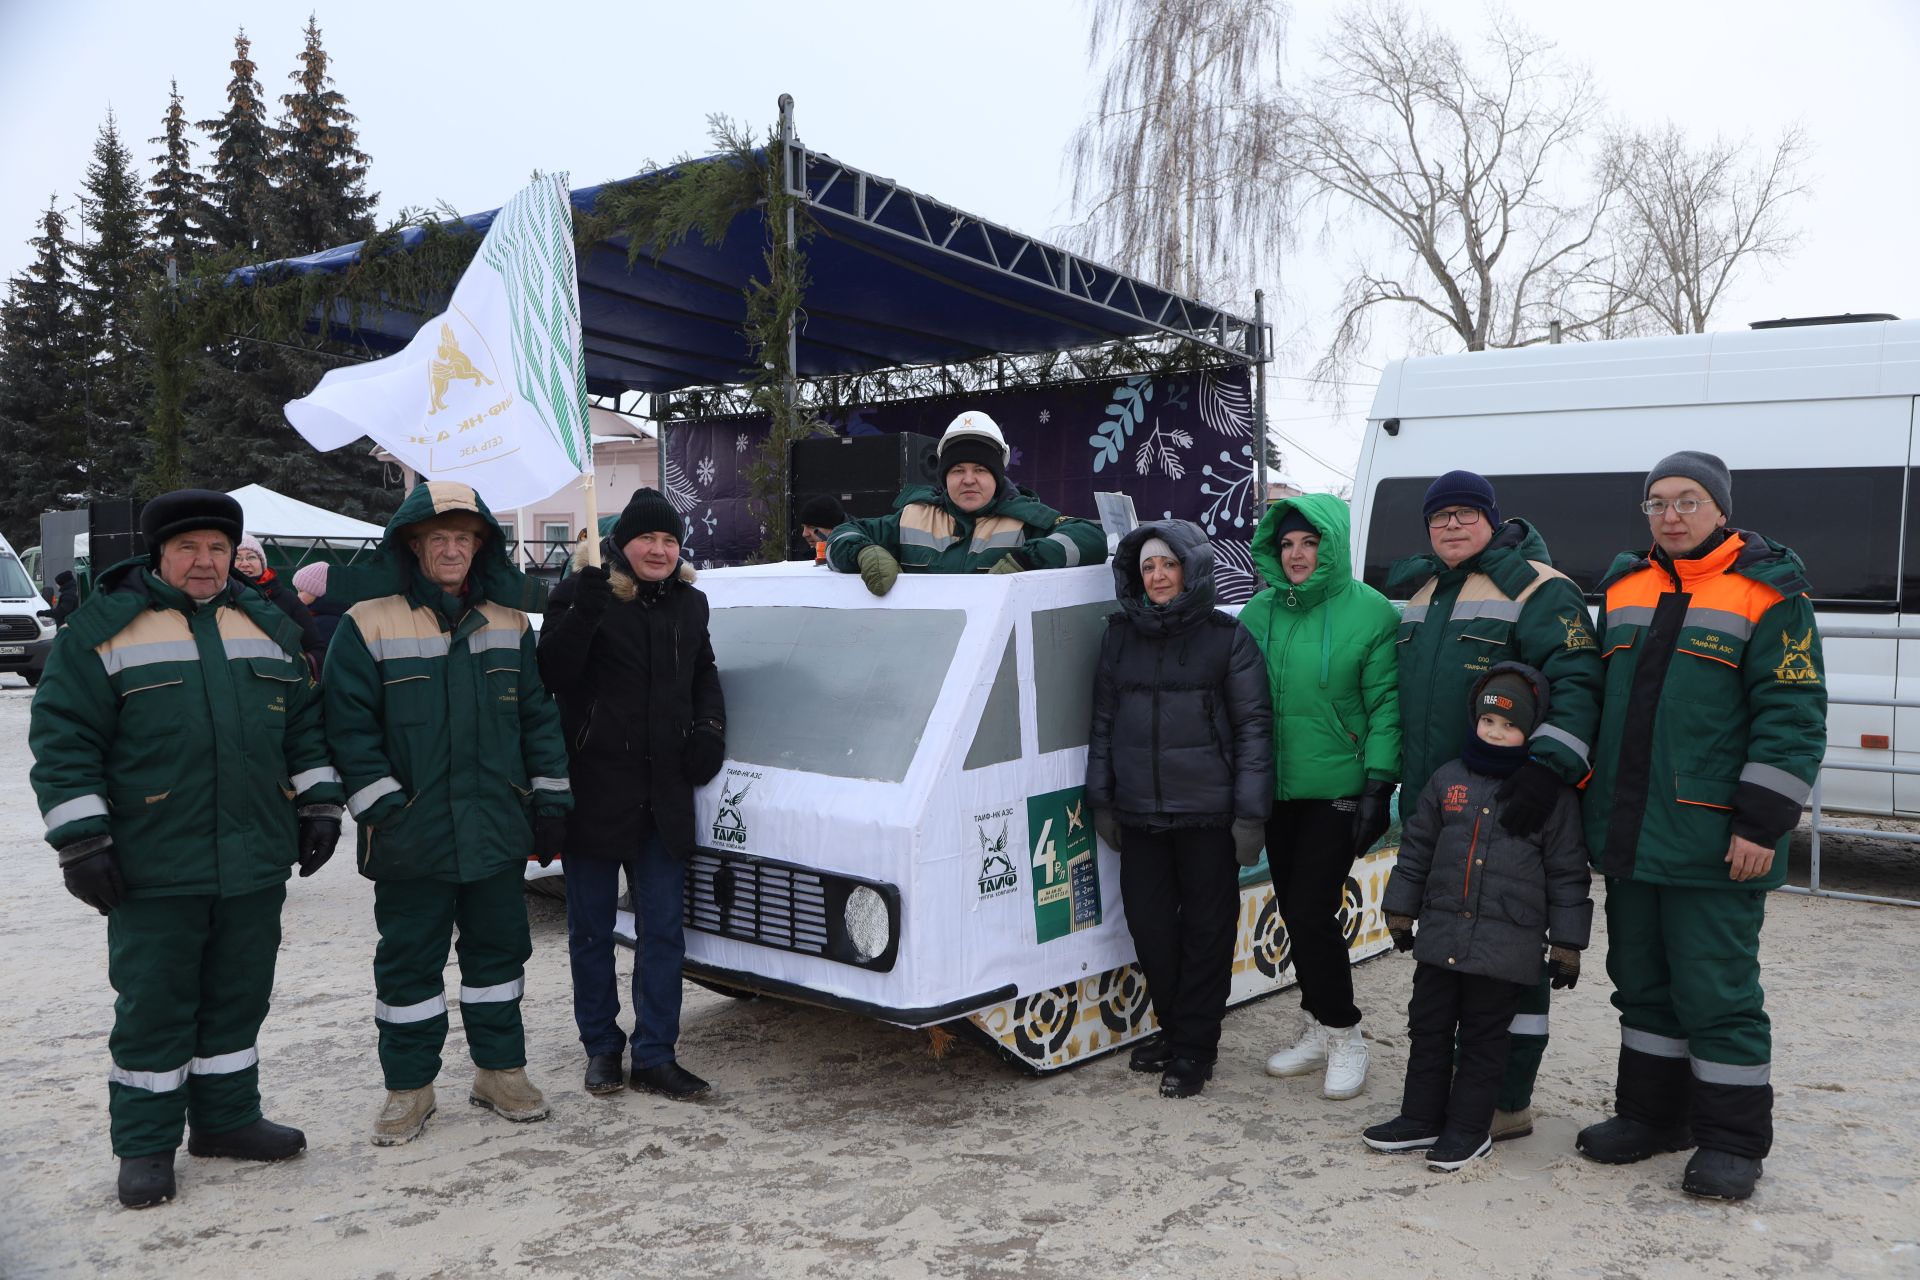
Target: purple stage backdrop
{"points": [[1180, 445]]}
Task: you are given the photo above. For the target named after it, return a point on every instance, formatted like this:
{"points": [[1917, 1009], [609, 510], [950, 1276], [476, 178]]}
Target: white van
{"points": [[1816, 422], [26, 619]]}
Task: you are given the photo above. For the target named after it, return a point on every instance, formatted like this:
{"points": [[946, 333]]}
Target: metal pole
{"points": [[788, 394], [1260, 401]]}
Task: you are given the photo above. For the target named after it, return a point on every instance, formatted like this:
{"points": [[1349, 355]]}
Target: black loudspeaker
{"points": [[866, 473], [113, 533]]}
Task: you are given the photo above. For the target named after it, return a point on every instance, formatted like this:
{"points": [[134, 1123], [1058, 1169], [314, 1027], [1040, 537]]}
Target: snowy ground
{"points": [[835, 1147]]}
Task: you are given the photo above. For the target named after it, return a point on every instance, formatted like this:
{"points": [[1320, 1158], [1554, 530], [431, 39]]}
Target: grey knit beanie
{"points": [[1703, 469]]}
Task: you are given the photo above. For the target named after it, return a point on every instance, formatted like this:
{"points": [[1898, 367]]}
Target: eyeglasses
{"points": [[1462, 516], [1685, 506]]}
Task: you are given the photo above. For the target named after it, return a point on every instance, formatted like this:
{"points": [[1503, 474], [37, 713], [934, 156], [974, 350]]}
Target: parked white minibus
{"points": [[1816, 420]]}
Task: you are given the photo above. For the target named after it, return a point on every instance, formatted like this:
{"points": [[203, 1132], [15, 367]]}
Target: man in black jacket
{"points": [[624, 647]]}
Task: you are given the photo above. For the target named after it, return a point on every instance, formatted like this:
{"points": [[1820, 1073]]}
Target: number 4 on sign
{"points": [[1043, 850]]}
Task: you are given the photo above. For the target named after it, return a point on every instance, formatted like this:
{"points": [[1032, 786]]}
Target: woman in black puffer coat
{"points": [[624, 648], [1180, 777]]}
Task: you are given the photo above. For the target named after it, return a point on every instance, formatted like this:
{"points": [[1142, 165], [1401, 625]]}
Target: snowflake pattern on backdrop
{"points": [[1046, 416], [704, 472], [740, 443]]}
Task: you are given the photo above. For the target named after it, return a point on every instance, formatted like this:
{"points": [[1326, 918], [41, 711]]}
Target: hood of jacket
{"points": [[1333, 574], [394, 570], [1514, 543], [1195, 601], [1525, 672]]}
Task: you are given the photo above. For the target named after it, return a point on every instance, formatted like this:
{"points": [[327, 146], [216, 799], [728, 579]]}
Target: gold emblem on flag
{"points": [[450, 364]]}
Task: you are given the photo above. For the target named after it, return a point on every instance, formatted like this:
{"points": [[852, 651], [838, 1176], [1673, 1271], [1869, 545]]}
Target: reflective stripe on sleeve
{"points": [[1528, 1024], [1647, 1042], [363, 799], [221, 1064], [432, 1007], [495, 994], [1072, 547], [74, 810], [1729, 1073], [552, 784], [151, 1081], [140, 655], [1554, 733], [1775, 779], [314, 777]]}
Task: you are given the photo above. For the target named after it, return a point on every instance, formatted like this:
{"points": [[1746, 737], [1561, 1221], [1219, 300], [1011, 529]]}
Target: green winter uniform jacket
{"points": [[1507, 604], [928, 534], [1329, 646], [443, 733], [1716, 713], [190, 735]]}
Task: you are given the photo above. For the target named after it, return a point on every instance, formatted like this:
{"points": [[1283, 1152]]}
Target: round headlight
{"points": [[866, 920]]}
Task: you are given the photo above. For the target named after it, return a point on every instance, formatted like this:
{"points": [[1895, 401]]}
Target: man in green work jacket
{"points": [[456, 772], [181, 766], [1714, 729], [1488, 593], [977, 521]]}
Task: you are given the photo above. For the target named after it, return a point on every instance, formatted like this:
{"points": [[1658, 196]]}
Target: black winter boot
{"points": [[1651, 1113], [1720, 1175], [604, 1074], [261, 1140], [1185, 1077], [146, 1180], [1151, 1055], [1624, 1141]]}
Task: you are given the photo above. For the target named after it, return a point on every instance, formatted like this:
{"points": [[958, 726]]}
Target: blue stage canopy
{"points": [[895, 279]]}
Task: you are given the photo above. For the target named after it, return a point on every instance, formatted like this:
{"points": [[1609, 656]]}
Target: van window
{"points": [[13, 579], [1844, 522], [1066, 651], [842, 692], [997, 740]]}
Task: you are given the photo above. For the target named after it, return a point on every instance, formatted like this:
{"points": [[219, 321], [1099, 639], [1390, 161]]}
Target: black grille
{"points": [[15, 626], [767, 903]]}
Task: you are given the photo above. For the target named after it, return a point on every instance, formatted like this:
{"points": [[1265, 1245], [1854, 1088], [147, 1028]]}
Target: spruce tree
{"points": [[240, 190], [177, 194], [320, 173], [42, 362], [113, 265]]}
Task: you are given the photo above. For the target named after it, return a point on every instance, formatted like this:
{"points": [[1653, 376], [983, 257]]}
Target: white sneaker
{"points": [[1346, 1062], [1305, 1055]]}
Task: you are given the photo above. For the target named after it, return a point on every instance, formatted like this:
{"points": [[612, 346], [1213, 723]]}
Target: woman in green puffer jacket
{"points": [[1329, 645]]}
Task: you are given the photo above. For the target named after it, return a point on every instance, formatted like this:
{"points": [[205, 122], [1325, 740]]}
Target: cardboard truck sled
{"points": [[901, 829]]}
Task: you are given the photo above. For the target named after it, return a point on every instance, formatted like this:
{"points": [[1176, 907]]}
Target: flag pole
{"points": [[593, 505]]}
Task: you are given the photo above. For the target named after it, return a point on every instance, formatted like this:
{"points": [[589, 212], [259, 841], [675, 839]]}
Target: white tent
{"points": [[275, 515]]}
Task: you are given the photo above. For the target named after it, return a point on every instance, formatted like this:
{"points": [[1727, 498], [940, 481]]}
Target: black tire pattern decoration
{"points": [[1272, 948], [1123, 999], [1042, 1021], [1352, 909]]}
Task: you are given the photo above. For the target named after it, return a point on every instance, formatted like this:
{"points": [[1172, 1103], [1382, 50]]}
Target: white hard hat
{"points": [[975, 425]]}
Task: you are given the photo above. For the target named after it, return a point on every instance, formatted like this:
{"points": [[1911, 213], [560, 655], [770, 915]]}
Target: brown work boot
{"points": [[509, 1094], [1512, 1124], [403, 1116]]}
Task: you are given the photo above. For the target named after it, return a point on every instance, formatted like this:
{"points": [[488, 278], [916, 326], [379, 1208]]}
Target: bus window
{"points": [[1066, 650], [997, 740]]}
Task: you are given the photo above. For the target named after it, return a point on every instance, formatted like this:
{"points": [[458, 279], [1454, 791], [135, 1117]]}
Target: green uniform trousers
{"points": [[1526, 1046], [1694, 1034], [417, 919], [194, 975]]}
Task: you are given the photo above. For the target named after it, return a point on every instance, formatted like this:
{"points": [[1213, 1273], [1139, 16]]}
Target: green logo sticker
{"points": [[1066, 867]]}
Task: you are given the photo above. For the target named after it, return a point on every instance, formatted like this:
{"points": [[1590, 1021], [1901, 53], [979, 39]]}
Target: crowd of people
{"points": [[191, 750]]}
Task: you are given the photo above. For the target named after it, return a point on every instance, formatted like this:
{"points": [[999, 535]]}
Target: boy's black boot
{"points": [[146, 1180], [1720, 1175], [1151, 1055], [1401, 1134], [1453, 1151]]}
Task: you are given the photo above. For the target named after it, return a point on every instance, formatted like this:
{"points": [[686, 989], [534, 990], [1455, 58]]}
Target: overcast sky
{"points": [[973, 104]]}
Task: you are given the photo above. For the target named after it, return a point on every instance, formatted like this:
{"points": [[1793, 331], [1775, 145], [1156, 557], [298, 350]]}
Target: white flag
{"points": [[492, 393]]}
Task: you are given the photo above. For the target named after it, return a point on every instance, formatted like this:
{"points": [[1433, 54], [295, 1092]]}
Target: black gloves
{"points": [[1527, 798], [1563, 967], [549, 837], [318, 834], [706, 752], [1372, 814], [92, 873], [595, 592], [1401, 927], [1107, 827], [1249, 838]]}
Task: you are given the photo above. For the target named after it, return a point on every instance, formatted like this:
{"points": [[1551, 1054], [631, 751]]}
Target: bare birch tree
{"points": [[1471, 167], [1692, 217], [1169, 180]]}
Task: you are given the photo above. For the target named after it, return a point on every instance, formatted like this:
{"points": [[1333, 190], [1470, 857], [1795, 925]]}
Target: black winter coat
{"points": [[287, 601], [1487, 900], [631, 684], [1182, 723]]}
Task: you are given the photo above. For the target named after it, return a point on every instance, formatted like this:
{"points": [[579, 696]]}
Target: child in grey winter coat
{"points": [[1489, 903]]}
